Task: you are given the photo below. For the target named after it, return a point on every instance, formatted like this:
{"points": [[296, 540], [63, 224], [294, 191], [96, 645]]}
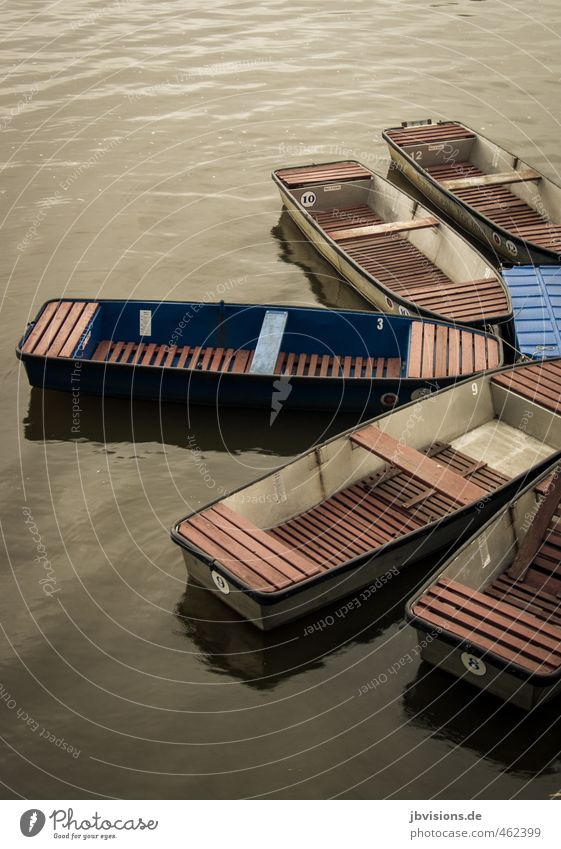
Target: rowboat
{"points": [[536, 301], [350, 512], [494, 611], [399, 256], [489, 192], [247, 355]]}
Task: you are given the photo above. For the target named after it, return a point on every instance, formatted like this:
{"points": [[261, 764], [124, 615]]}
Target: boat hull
{"points": [[496, 680], [267, 611]]}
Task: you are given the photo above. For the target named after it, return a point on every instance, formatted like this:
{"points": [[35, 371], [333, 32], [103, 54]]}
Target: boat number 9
{"points": [[220, 582], [308, 199], [473, 664], [474, 389], [380, 324]]}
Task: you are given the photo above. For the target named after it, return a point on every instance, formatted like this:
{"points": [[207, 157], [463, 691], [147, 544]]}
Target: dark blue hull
{"points": [[232, 390]]}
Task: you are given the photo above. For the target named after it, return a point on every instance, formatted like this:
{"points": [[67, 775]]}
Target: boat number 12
{"points": [[380, 324], [308, 199]]}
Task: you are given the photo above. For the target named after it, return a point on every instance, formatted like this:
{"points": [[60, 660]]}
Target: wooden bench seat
{"points": [[441, 351], [538, 382], [254, 556], [527, 597], [60, 328], [524, 175], [419, 465], [240, 361], [429, 134], [384, 229], [515, 635], [311, 175]]}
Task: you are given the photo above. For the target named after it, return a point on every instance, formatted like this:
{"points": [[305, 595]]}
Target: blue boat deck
{"points": [[536, 303]]}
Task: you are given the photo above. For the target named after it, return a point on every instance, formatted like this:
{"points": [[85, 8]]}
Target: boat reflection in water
{"points": [[262, 659], [131, 421], [447, 709]]}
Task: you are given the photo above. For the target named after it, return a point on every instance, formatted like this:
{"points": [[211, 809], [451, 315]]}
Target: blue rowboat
{"points": [[536, 302], [490, 193], [248, 355]]}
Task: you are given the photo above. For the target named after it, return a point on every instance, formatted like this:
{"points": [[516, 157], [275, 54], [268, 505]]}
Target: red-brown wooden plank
{"points": [[148, 354], [441, 351], [207, 356], [223, 556], [40, 326], [427, 366], [216, 359], [414, 361], [102, 350], [116, 352]]}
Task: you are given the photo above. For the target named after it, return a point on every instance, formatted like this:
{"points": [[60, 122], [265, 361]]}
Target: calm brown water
{"points": [[137, 143]]}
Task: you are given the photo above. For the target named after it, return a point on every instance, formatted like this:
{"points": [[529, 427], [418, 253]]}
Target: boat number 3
{"points": [[474, 389], [220, 582], [380, 324], [473, 664], [308, 199]]}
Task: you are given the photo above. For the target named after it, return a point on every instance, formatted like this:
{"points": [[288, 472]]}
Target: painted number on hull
{"points": [[473, 664], [474, 389], [308, 199], [380, 324], [220, 582]]}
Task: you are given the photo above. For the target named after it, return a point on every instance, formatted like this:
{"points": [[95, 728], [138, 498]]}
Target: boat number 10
{"points": [[308, 199]]}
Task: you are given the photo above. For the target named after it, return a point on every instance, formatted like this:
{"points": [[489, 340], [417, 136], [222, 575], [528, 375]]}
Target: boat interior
{"points": [[398, 242], [482, 597], [487, 178], [259, 340], [357, 492]]}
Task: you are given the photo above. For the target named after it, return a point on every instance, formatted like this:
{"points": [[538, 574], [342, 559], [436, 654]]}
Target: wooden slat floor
{"points": [[230, 360], [311, 175], [501, 206], [404, 269], [429, 133]]}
